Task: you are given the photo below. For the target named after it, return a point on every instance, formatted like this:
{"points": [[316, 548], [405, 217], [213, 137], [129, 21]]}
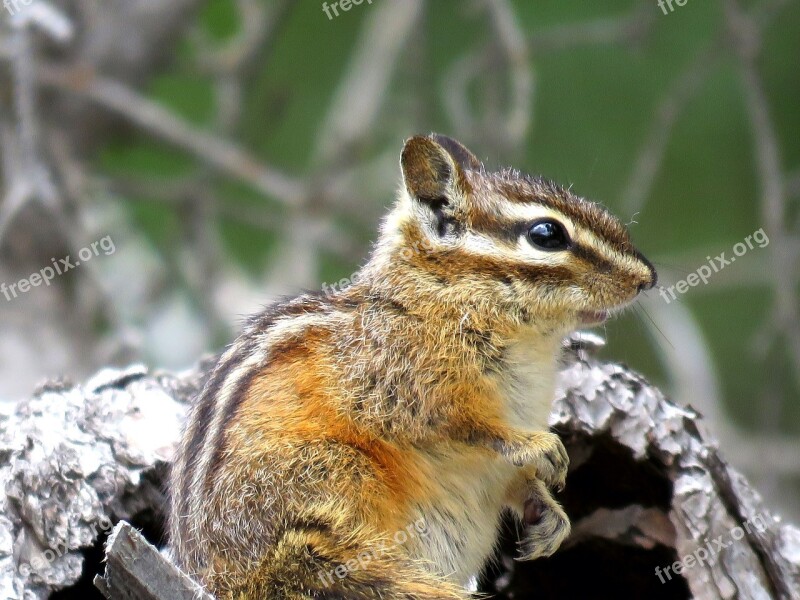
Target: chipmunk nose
{"points": [[650, 283]]}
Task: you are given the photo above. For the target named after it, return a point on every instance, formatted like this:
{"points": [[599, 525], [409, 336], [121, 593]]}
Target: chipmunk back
{"points": [[364, 443]]}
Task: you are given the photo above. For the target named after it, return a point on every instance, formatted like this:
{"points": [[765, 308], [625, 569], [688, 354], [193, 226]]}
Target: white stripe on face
{"points": [[528, 213], [585, 237], [523, 252]]}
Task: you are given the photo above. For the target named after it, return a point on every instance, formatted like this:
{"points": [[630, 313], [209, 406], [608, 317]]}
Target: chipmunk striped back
{"points": [[202, 444], [420, 393]]}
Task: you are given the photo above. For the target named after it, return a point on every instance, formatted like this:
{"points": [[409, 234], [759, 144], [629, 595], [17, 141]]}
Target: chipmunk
{"points": [[419, 394]]}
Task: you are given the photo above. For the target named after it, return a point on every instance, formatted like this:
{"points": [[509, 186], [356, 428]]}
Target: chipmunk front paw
{"points": [[545, 452], [547, 526]]}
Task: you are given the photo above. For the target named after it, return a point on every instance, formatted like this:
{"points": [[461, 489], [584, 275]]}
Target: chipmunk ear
{"points": [[458, 152], [433, 169]]}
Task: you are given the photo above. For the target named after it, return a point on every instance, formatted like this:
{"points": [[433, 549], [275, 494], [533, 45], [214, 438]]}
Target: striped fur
{"points": [[420, 393]]}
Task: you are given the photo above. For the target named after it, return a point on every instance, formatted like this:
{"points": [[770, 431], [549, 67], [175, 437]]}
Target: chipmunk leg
{"points": [[541, 450], [316, 563]]}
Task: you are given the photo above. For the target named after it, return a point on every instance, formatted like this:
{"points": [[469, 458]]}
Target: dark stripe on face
{"points": [[453, 265], [588, 255], [533, 190], [509, 231], [448, 266], [497, 227]]}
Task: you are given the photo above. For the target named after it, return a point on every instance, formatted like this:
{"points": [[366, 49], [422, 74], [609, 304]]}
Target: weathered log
{"points": [[647, 489], [75, 460], [136, 570]]}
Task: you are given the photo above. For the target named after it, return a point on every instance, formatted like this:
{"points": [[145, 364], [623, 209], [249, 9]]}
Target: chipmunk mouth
{"points": [[589, 318]]}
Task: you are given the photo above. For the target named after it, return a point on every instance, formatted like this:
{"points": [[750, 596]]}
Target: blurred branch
{"points": [[355, 107], [27, 178], [687, 358], [745, 34], [178, 193], [765, 453], [793, 184], [750, 273], [257, 23], [651, 155], [229, 70], [45, 176], [349, 122], [162, 123], [690, 364], [503, 63], [632, 28], [509, 34]]}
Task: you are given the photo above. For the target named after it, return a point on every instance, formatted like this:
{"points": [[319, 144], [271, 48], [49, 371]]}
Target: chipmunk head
{"points": [[508, 244]]}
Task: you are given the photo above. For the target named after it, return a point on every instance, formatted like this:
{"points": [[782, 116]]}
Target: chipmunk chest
{"points": [[461, 511], [526, 384]]}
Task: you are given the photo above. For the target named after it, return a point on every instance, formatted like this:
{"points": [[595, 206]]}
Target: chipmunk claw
{"points": [[547, 526], [553, 462], [544, 451], [544, 538]]}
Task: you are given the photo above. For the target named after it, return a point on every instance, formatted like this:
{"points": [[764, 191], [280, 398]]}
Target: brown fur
{"points": [[419, 394]]}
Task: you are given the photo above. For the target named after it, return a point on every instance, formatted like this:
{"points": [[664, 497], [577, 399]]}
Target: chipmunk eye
{"points": [[548, 235]]}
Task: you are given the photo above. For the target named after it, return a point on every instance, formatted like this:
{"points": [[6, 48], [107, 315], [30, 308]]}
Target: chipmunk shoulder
{"points": [[365, 443]]}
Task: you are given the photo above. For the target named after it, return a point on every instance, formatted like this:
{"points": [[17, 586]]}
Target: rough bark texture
{"points": [[646, 488]]}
